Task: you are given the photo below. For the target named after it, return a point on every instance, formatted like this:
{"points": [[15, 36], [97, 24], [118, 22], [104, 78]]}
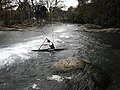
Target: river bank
{"points": [[20, 27], [83, 28], [96, 28]]}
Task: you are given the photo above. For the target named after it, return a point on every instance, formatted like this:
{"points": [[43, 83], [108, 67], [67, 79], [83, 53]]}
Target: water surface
{"points": [[22, 69]]}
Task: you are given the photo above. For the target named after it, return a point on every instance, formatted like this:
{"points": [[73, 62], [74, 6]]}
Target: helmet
{"points": [[48, 41]]}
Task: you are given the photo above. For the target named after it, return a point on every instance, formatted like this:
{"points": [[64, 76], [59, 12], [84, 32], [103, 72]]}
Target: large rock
{"points": [[68, 64]]}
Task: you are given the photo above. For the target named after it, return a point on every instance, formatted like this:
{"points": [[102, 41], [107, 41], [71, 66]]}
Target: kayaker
{"points": [[51, 45]]}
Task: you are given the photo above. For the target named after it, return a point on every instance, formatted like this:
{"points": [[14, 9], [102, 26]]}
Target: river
{"points": [[23, 69]]}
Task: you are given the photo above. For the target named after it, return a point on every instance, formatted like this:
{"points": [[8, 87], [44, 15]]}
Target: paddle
{"points": [[42, 44]]}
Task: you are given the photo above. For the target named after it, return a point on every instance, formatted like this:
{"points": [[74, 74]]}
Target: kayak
{"points": [[49, 50]]}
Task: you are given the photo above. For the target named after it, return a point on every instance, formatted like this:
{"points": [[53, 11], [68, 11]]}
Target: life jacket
{"points": [[52, 45]]}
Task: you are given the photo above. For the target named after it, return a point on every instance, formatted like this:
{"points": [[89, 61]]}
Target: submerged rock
{"points": [[91, 78], [68, 64], [83, 75], [100, 77]]}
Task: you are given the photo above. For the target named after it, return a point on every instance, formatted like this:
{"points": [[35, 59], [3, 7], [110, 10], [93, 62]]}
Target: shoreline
{"points": [[11, 29], [97, 29], [17, 28]]}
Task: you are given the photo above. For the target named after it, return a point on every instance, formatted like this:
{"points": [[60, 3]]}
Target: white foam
{"points": [[60, 30], [64, 36], [21, 51], [18, 51], [34, 86], [56, 77], [68, 77]]}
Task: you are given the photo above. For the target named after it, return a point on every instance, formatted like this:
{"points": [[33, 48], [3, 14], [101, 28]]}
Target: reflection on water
{"points": [[27, 70]]}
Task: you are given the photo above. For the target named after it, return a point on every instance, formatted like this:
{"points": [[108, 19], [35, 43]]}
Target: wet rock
{"points": [[97, 28], [108, 30], [7, 29], [84, 76], [68, 64], [92, 26]]}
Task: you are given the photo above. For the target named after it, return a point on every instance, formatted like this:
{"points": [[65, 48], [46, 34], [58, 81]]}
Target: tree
{"points": [[39, 9], [84, 11], [24, 9], [54, 7], [71, 14], [6, 8], [102, 12], [108, 12]]}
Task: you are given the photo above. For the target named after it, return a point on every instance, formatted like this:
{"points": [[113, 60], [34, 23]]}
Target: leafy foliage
{"points": [[29, 10], [6, 8], [102, 12]]}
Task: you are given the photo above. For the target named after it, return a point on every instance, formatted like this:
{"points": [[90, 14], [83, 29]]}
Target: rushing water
{"points": [[22, 69]]}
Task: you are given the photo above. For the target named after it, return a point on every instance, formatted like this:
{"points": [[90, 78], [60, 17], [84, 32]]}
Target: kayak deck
{"points": [[49, 50]]}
